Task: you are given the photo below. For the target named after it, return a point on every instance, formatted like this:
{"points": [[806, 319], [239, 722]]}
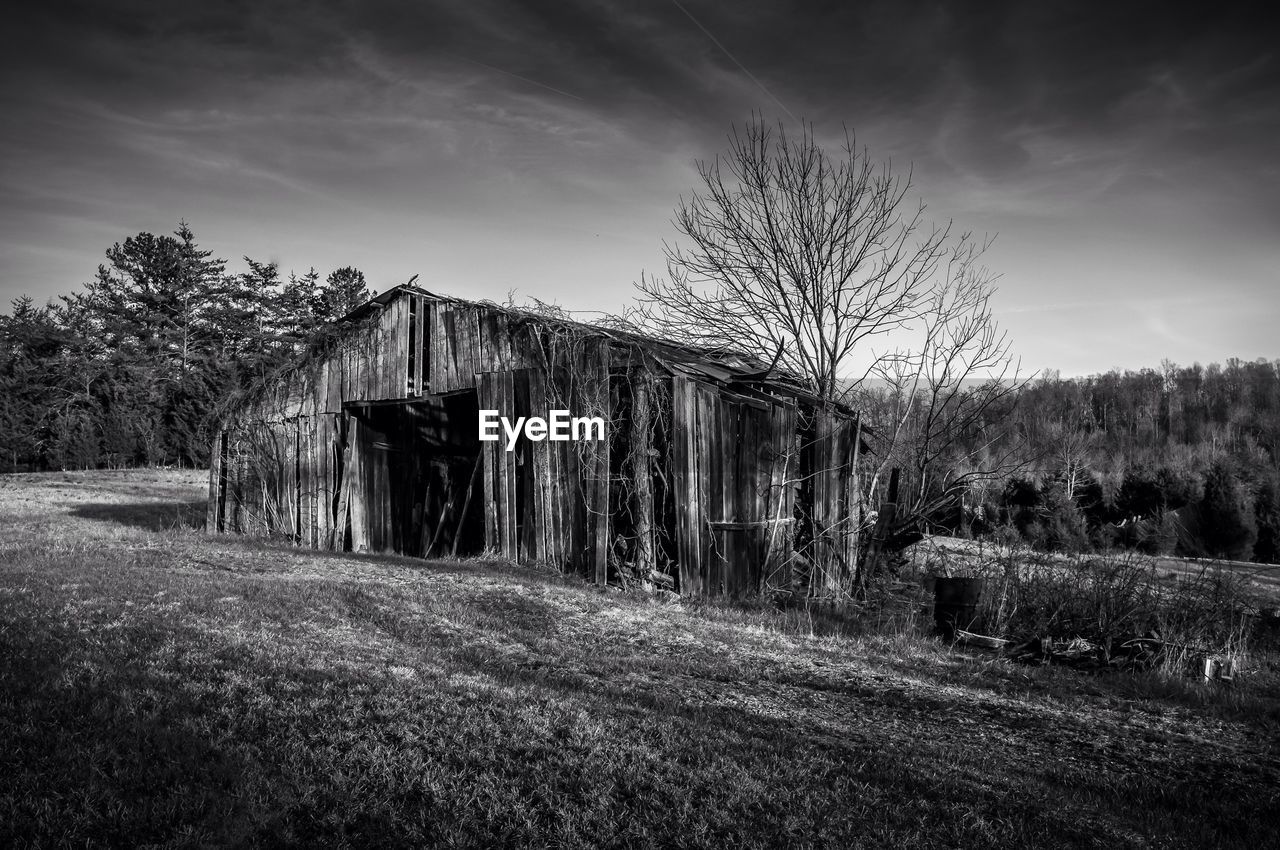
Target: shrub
{"points": [[1022, 504], [1139, 494], [1061, 525], [1111, 597]]}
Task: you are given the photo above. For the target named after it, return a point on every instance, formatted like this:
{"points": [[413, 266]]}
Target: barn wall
{"points": [[831, 463], [549, 501], [734, 462], [467, 340]]}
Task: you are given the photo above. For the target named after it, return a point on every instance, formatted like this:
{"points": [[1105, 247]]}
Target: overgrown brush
{"points": [[1112, 598]]}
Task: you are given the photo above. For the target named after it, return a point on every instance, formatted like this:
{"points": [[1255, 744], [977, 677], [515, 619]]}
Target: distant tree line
{"points": [[131, 369], [1181, 459]]}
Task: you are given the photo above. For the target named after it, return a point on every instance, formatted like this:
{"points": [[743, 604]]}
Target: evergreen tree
{"points": [[31, 343], [1228, 527], [1061, 525], [1140, 494], [293, 312], [1266, 509], [343, 291], [132, 369], [150, 311], [247, 320]]}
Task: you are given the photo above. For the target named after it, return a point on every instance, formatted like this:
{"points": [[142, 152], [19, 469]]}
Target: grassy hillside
{"points": [[161, 687]]}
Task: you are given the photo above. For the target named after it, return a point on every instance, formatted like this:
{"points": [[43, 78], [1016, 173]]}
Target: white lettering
{"points": [[488, 426], [513, 431], [559, 425], [587, 424]]}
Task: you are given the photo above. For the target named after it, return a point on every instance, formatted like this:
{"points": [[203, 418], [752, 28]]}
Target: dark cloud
{"points": [[1053, 120]]}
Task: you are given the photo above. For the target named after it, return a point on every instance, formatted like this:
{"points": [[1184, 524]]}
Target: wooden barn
{"points": [[715, 475]]}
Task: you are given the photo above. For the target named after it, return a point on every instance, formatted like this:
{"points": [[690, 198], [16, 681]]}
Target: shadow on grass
{"points": [[148, 729], [115, 736], [227, 746], [149, 516]]}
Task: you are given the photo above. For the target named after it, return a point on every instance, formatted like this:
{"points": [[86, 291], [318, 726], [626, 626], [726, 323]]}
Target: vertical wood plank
{"points": [[288, 437], [597, 367], [320, 468], [359, 353], [312, 473], [743, 565], [435, 363], [377, 353], [601, 511], [357, 486], [378, 357], [342, 481], [344, 372], [455, 327], [855, 488], [324, 483], [710, 498], [420, 354], [470, 361], [399, 373], [684, 441], [305, 496], [388, 351], [509, 480], [525, 499], [488, 451], [540, 518], [217, 483], [382, 342], [464, 346], [641, 478]]}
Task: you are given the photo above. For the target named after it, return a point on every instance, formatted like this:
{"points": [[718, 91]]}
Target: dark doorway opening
{"points": [[419, 477]]}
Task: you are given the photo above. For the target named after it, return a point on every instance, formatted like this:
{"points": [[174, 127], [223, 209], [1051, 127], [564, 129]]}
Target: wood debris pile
{"points": [[1135, 652]]}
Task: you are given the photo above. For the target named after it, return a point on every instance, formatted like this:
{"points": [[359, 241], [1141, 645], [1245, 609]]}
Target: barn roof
{"points": [[721, 367]]}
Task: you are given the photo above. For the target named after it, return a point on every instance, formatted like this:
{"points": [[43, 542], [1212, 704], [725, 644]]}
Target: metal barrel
{"points": [[955, 602]]}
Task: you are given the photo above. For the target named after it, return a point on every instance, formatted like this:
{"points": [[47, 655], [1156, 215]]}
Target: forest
{"points": [[132, 369], [1171, 460]]}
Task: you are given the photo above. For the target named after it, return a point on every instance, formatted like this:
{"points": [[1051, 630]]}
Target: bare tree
{"points": [[946, 400], [787, 249], [791, 250]]}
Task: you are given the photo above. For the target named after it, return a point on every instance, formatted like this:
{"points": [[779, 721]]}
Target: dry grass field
{"points": [[162, 688]]}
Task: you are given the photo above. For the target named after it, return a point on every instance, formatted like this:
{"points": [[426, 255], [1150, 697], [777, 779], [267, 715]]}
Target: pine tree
{"points": [[151, 312], [245, 321], [343, 291], [31, 343], [293, 312]]}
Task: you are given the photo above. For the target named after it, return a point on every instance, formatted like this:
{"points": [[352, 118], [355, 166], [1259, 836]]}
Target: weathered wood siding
{"points": [[548, 500], [468, 340], [836, 506], [370, 448], [734, 464]]}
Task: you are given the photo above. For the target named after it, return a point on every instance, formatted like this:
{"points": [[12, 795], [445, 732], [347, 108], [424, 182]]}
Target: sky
{"points": [[1125, 156]]}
